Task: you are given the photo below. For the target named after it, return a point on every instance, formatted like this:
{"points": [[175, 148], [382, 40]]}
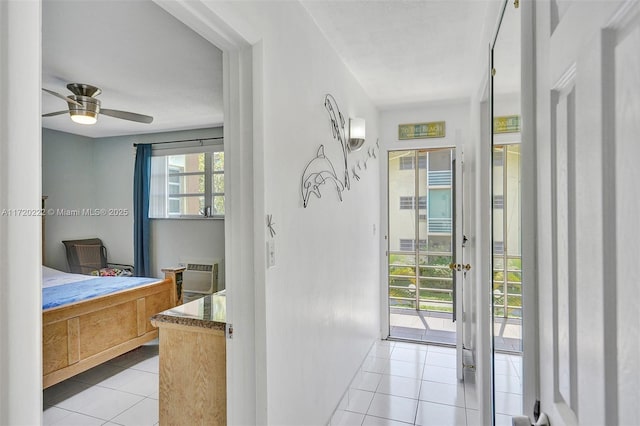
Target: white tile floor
{"points": [[399, 384], [403, 383], [123, 391]]}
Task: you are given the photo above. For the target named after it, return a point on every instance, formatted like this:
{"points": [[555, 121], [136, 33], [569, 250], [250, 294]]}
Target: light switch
{"points": [[271, 253]]}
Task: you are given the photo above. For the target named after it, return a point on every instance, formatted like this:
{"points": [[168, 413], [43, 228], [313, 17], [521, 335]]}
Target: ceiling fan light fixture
{"points": [[84, 117], [87, 113], [84, 108]]}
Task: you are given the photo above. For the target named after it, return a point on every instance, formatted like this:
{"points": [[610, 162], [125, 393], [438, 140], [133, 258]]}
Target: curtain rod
{"points": [[183, 140]]}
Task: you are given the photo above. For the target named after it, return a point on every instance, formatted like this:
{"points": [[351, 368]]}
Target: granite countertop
{"points": [[207, 312]]}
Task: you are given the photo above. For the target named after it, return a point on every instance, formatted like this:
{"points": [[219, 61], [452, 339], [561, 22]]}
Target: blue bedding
{"points": [[92, 287]]}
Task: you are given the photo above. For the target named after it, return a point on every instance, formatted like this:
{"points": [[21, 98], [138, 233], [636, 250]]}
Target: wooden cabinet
{"points": [[193, 373]]}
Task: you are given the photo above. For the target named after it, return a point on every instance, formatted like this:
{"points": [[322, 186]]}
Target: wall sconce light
{"points": [[356, 133]]}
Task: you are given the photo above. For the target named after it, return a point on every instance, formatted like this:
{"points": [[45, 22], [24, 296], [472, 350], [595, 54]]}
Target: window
{"points": [[409, 245], [407, 163], [187, 185], [407, 203], [498, 158], [422, 202], [406, 245]]}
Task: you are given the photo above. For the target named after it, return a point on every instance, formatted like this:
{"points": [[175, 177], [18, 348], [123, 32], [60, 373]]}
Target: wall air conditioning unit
{"points": [[200, 277]]}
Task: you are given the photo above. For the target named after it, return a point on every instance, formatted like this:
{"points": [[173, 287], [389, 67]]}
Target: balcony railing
{"points": [[440, 178], [435, 289], [507, 286], [435, 282]]}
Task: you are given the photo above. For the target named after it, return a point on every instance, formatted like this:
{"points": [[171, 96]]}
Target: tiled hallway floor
{"points": [[399, 383], [123, 391], [404, 383]]}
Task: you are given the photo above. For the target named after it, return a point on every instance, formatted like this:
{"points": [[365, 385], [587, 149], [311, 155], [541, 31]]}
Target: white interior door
{"points": [[588, 109]]}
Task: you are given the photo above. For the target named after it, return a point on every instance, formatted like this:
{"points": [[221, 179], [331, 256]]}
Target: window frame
{"points": [[411, 243], [409, 163], [160, 187], [408, 202]]}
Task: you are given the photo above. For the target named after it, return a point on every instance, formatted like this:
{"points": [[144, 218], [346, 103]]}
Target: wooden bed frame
{"points": [[80, 336]]}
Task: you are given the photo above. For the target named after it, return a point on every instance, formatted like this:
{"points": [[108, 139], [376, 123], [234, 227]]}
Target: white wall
{"points": [[68, 182], [454, 113], [80, 172], [176, 241], [322, 297]]}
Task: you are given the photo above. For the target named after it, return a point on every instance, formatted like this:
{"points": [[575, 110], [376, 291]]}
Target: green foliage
{"points": [[436, 272], [436, 308], [514, 263], [406, 271]]}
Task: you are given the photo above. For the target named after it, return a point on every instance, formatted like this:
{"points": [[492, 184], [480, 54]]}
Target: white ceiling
{"points": [[405, 52], [144, 60]]}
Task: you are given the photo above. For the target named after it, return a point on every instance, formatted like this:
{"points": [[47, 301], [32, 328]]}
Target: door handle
{"points": [[459, 267]]}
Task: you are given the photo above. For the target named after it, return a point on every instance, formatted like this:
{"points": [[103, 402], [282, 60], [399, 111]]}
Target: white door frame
{"points": [[245, 265], [20, 236], [529, 219], [528, 210]]}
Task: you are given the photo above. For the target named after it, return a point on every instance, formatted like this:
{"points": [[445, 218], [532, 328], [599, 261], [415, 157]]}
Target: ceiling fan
{"points": [[84, 107]]}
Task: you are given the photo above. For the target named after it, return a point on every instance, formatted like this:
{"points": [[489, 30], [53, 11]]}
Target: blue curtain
{"points": [[141, 222]]}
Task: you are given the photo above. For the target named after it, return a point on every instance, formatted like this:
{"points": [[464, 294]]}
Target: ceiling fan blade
{"points": [[131, 116], [66, 98], [51, 114]]}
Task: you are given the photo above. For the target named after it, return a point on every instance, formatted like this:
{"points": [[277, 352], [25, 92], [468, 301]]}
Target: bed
{"points": [[88, 320]]}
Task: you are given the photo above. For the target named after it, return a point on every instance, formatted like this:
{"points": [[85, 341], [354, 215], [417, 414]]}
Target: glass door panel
{"points": [[421, 245], [402, 249]]}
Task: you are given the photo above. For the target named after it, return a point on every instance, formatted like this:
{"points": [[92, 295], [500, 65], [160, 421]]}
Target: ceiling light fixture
{"points": [[356, 133], [84, 108], [83, 118], [86, 112]]}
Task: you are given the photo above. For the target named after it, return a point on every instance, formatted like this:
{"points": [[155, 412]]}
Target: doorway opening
{"points": [[422, 245]]}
